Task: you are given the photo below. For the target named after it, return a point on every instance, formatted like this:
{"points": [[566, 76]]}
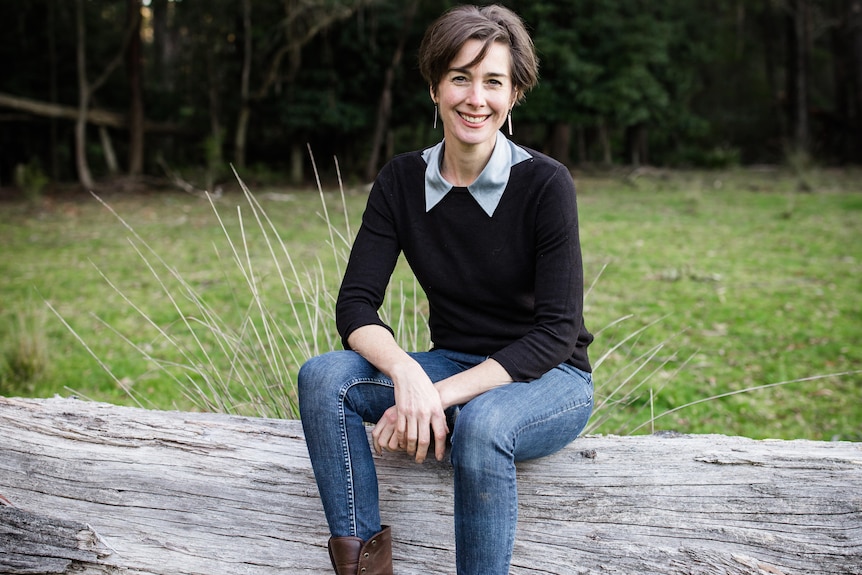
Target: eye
{"points": [[459, 79]]}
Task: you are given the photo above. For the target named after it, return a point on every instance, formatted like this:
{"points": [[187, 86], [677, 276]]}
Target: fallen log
{"points": [[95, 116], [98, 488]]}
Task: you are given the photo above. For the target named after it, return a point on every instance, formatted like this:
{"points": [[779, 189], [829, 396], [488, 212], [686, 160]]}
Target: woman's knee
{"points": [[480, 434], [320, 377]]}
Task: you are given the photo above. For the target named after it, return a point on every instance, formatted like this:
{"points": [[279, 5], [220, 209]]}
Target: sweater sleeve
{"points": [[372, 260], [558, 327]]}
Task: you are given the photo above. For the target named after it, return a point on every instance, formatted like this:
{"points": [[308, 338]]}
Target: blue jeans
{"points": [[339, 391]]}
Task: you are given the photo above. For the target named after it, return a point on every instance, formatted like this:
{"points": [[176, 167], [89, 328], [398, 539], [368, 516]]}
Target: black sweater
{"points": [[508, 286]]}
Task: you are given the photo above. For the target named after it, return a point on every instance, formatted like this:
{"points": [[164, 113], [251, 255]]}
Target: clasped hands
{"points": [[416, 417]]}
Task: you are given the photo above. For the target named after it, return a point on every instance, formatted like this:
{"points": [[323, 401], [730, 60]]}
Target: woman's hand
{"points": [[417, 414], [418, 411]]}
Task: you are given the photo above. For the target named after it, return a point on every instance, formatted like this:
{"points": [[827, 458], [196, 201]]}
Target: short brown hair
{"points": [[448, 34]]}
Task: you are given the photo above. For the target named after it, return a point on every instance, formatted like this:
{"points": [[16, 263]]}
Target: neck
{"points": [[463, 164]]}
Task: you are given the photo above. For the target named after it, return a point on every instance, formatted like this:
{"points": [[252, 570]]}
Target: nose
{"points": [[476, 95]]}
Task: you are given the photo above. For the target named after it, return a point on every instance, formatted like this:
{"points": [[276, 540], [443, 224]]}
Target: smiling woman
{"points": [[490, 230], [475, 84], [473, 103]]}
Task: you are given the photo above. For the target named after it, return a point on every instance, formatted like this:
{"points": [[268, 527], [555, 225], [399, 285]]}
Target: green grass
{"points": [[703, 285]]}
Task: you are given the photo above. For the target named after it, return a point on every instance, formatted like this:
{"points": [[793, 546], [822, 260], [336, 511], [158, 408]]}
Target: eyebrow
{"points": [[467, 71]]}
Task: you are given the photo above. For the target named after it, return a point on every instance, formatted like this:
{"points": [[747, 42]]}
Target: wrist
{"points": [[402, 369], [443, 390]]}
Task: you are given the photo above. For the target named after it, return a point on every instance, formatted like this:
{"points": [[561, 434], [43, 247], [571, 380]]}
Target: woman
{"points": [[490, 230]]}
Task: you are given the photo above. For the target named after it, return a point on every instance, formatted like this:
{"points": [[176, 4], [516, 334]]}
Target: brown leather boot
{"points": [[352, 556]]}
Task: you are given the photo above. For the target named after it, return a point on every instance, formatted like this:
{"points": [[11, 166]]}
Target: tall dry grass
{"points": [[244, 360]]}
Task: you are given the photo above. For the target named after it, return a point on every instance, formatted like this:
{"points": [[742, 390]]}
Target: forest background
{"points": [[192, 82], [716, 148]]}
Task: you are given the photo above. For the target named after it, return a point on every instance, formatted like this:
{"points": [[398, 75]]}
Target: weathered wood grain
{"points": [[105, 489]]}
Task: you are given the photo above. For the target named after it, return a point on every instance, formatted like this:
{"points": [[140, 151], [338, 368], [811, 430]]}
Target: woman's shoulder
{"points": [[402, 176], [540, 168], [406, 163], [542, 161]]}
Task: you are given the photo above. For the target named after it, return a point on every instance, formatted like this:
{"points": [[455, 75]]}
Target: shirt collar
{"points": [[488, 187]]}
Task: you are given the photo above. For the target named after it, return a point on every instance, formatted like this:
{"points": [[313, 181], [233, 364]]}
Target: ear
{"points": [[516, 95], [433, 91]]}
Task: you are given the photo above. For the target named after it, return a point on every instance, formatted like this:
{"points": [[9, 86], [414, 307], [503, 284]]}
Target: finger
{"points": [[422, 443], [375, 436], [376, 439], [441, 431], [396, 441], [382, 431], [414, 433], [440, 434]]}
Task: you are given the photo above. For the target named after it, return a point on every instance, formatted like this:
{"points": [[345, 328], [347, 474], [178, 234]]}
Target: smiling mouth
{"points": [[473, 119]]}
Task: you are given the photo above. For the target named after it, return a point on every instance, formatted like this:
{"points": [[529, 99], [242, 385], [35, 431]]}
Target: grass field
{"points": [[701, 285]]}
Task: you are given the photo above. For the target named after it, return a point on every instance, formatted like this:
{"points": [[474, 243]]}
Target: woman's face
{"points": [[474, 102]]}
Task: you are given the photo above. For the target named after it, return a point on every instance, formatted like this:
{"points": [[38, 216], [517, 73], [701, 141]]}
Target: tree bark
{"points": [[241, 134], [771, 32], [134, 67], [164, 42], [106, 489], [799, 76], [94, 116], [108, 149], [605, 140], [582, 145], [855, 57], [87, 89], [214, 142], [297, 163], [84, 176], [636, 142], [302, 22], [561, 142], [52, 71], [384, 109]]}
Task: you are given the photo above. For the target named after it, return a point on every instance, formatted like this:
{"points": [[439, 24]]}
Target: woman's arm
{"points": [[418, 411], [419, 404], [558, 286], [464, 386]]}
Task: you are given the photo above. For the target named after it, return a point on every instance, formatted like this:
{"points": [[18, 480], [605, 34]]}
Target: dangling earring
{"points": [[510, 122], [435, 116]]}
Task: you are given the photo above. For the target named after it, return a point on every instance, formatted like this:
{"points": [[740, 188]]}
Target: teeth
{"points": [[474, 119]]}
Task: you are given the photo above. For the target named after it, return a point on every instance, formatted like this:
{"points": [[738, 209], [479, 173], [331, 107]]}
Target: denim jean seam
{"points": [[345, 443], [541, 420]]}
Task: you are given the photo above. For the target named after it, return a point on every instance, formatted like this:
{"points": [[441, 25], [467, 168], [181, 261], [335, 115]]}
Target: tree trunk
{"points": [[561, 142], [636, 143], [583, 158], [643, 143], [855, 57], [164, 42], [93, 115], [87, 89], [108, 150], [101, 489], [241, 136], [134, 68], [799, 77], [384, 109], [84, 176], [303, 21], [52, 71], [605, 140], [214, 142], [241, 133], [771, 33], [297, 163]]}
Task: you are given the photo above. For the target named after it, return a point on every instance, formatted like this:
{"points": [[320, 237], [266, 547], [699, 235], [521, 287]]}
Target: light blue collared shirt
{"points": [[488, 187]]}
